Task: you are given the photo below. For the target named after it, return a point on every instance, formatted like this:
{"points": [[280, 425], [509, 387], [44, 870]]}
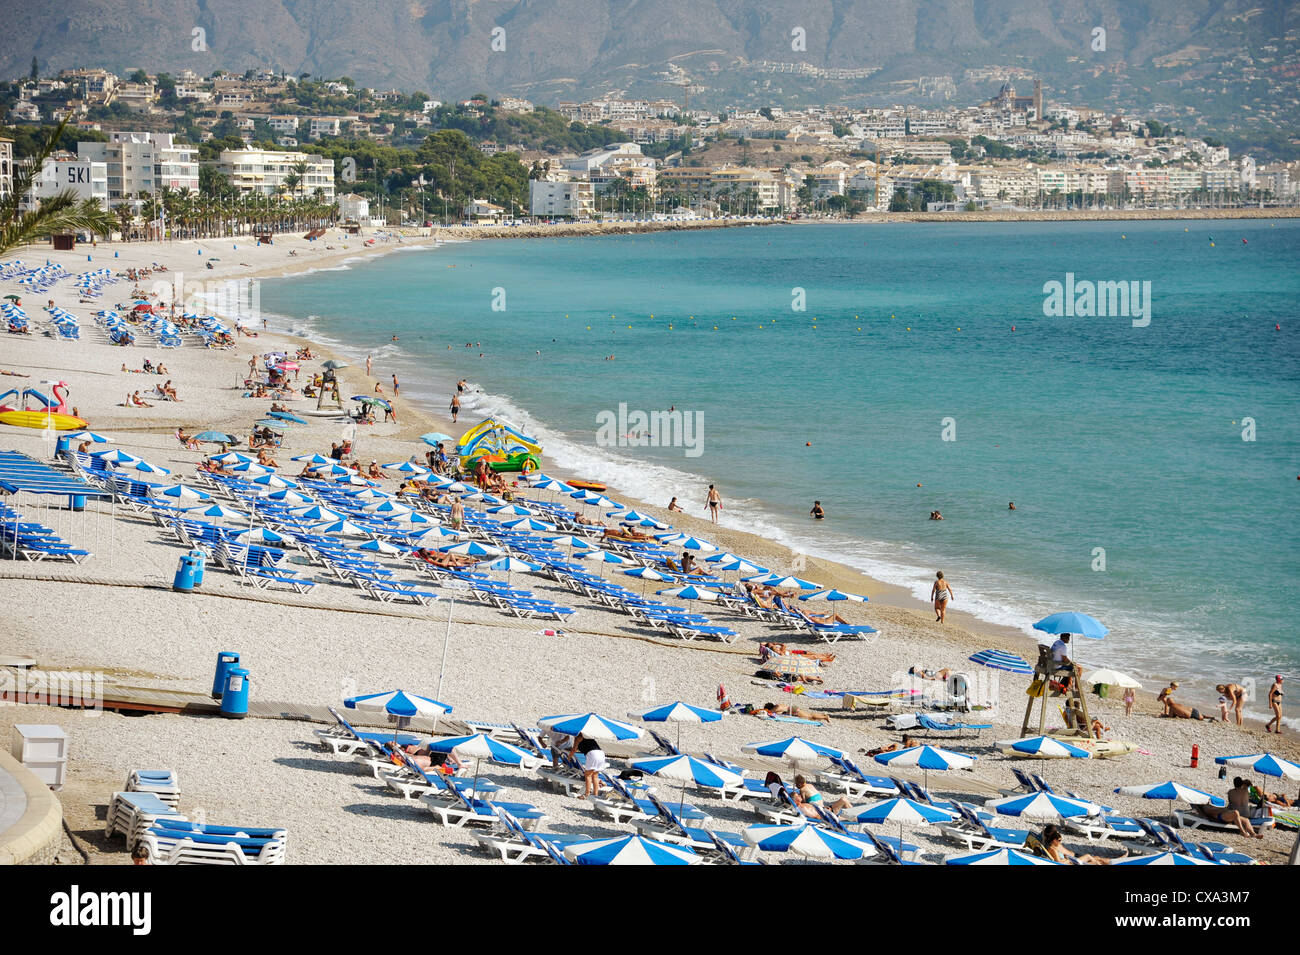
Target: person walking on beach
{"points": [[714, 501], [367, 366], [1275, 695], [455, 407], [940, 593], [1129, 699], [1236, 696]]}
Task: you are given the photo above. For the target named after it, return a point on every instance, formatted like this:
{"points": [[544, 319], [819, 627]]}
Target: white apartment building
{"points": [[263, 171], [65, 172], [131, 160], [354, 208], [283, 124], [6, 166], [593, 159], [553, 200]]}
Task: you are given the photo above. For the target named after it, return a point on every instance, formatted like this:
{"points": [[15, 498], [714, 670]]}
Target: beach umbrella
{"points": [[1042, 747], [145, 467], [687, 542], [740, 566], [510, 565], [678, 713], [342, 528], [371, 400], [926, 758], [1111, 678], [690, 592], [1071, 622], [776, 580], [688, 769], [387, 507], [286, 416], [646, 574], [1165, 858], [233, 457], [472, 549], [553, 484], [1001, 660], [399, 704], [273, 480], [286, 496], [259, 534], [631, 516], [603, 557], [181, 492], [215, 510], [1043, 807], [811, 842], [999, 857], [528, 524], [454, 487], [899, 811], [380, 547], [480, 746], [568, 540], [513, 510], [645, 522], [629, 850], [405, 467], [833, 595], [438, 531], [1264, 763], [483, 496], [334, 364], [1170, 791], [215, 437], [251, 467], [317, 512], [591, 726], [272, 425], [434, 438], [602, 501], [794, 749], [91, 436], [411, 517], [116, 456], [314, 459]]}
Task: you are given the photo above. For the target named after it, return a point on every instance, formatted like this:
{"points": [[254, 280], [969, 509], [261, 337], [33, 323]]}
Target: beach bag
{"points": [[1035, 689]]}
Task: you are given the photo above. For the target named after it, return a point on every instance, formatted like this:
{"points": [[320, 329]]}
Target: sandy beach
{"points": [[117, 614]]}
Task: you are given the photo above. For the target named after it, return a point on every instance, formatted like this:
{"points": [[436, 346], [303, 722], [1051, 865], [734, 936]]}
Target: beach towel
{"points": [[795, 719]]}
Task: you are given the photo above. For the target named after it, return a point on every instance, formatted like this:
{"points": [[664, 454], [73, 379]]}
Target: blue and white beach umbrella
{"points": [[513, 510], [811, 842], [380, 547], [1043, 806], [182, 492], [398, 703], [678, 712], [437, 531], [314, 459], [116, 456], [91, 436], [689, 769], [1170, 791], [553, 484], [629, 850], [405, 467], [833, 595], [591, 726], [482, 746], [1071, 622], [1001, 660], [899, 811], [215, 511], [687, 542], [1264, 763], [316, 512], [776, 580], [528, 524], [510, 565], [435, 438], [647, 573], [1165, 858], [690, 592], [258, 534], [340, 529], [286, 495], [794, 749], [740, 566], [645, 522], [387, 507], [472, 549], [233, 457], [1042, 747], [630, 516], [926, 758], [274, 480], [999, 857]]}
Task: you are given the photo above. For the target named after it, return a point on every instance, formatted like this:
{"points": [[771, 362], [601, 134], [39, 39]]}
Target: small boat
{"points": [[586, 485], [40, 420], [1099, 748]]}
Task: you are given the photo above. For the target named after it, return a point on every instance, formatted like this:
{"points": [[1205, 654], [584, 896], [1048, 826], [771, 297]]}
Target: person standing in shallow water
{"points": [[940, 593]]}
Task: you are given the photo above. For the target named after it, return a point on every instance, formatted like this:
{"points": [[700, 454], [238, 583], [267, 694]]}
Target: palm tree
{"points": [[63, 212]]}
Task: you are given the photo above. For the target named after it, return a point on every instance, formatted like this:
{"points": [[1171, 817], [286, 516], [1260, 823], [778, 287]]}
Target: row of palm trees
{"points": [[185, 214]]}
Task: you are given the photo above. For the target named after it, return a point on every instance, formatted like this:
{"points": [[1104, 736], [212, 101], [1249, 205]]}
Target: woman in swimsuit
{"points": [[1057, 852], [807, 798], [940, 593], [1275, 695]]}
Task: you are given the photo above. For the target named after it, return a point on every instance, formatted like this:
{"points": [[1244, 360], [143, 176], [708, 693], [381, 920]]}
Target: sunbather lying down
{"points": [[772, 649], [425, 758], [439, 559], [924, 674], [789, 709]]}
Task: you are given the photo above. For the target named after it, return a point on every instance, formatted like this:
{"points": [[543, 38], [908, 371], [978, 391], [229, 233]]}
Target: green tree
{"points": [[35, 73]]}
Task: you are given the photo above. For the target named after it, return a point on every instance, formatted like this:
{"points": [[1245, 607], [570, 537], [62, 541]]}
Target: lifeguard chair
{"points": [[1049, 675]]}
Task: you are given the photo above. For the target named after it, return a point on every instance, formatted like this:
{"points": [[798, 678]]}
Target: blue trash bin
{"points": [[200, 558], [234, 701], [227, 660], [183, 582]]}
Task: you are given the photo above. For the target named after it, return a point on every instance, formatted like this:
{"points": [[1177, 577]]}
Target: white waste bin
{"points": [[43, 749]]}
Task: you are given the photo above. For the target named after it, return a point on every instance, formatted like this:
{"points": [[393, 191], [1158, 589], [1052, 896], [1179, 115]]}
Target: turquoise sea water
{"points": [[1128, 439]]}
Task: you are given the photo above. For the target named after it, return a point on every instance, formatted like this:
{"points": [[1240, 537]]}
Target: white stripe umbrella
{"points": [[317, 512], [678, 713], [528, 524], [999, 857], [286, 496], [215, 510], [690, 592], [380, 547], [510, 565], [472, 549], [899, 810], [740, 567], [235, 457], [629, 850], [1042, 747], [603, 557], [1165, 858], [314, 459], [926, 758], [480, 746], [775, 580], [405, 467], [646, 574], [181, 492], [339, 529], [513, 510], [687, 542], [1043, 806], [811, 842], [833, 595], [1169, 791], [400, 705], [116, 456], [1264, 763], [793, 749], [591, 726]]}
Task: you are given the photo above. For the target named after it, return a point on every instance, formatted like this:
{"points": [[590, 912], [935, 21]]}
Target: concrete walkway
{"points": [[31, 818]]}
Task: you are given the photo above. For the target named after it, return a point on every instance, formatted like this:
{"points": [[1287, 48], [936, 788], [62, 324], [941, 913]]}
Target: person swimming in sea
{"points": [[817, 512]]}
